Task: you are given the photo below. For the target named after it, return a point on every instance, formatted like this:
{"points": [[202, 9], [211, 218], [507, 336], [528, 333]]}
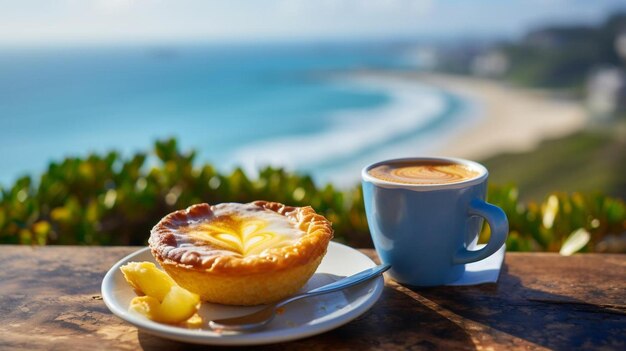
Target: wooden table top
{"points": [[50, 300]]}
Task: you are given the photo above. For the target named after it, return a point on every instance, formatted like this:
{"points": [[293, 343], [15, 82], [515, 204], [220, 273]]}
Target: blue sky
{"points": [[76, 21]]}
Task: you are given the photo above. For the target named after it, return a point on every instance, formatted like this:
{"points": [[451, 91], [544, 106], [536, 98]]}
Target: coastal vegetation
{"points": [[109, 199], [592, 160]]}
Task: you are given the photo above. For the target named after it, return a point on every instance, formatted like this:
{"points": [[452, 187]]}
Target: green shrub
{"points": [[112, 200], [548, 226]]}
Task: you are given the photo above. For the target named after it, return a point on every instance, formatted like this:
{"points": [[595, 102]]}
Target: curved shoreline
{"points": [[512, 119], [496, 119]]}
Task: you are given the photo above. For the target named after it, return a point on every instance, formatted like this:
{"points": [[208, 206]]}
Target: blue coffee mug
{"points": [[424, 230]]}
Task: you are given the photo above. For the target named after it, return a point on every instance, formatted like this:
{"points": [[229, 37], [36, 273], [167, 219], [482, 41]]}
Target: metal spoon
{"points": [[261, 318]]}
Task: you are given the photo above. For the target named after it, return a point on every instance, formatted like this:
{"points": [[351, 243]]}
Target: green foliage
{"points": [[112, 200], [547, 225]]}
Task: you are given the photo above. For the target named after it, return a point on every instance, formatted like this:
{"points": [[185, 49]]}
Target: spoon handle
{"points": [[340, 284]]}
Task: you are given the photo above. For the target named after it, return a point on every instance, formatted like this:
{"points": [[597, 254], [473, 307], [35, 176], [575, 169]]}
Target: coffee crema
{"points": [[426, 173]]}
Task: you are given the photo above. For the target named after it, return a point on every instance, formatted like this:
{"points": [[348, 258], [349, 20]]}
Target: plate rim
{"points": [[201, 337]]}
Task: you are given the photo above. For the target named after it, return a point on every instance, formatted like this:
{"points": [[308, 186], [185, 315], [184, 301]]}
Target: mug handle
{"points": [[498, 224]]}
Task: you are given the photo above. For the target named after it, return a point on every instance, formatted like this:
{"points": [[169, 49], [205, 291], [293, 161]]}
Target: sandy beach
{"points": [[511, 119]]}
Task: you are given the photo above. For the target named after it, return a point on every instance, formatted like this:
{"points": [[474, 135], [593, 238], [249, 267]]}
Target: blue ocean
{"points": [[314, 108]]}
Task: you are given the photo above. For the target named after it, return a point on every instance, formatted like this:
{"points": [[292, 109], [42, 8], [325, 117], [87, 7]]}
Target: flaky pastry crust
{"points": [[311, 246]]}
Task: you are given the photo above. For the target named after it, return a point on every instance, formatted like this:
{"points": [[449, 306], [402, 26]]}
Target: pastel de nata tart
{"points": [[241, 254]]}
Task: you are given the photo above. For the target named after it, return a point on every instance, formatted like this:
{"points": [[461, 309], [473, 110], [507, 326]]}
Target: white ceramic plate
{"points": [[300, 319]]}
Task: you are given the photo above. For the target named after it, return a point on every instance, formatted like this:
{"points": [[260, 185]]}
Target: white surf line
{"points": [[411, 106]]}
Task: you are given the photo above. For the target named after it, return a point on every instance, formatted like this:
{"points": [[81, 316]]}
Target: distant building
{"points": [[606, 92]]}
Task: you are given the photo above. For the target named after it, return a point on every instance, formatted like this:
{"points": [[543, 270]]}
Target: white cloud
{"points": [[40, 21]]}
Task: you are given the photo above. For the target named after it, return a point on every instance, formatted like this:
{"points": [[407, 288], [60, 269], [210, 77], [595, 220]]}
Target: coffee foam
{"points": [[425, 173]]}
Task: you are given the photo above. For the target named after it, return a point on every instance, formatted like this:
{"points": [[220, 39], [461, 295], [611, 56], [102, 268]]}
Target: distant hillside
{"points": [[560, 57], [563, 57], [591, 161]]}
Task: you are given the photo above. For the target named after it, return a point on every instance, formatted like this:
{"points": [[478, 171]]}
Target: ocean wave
{"points": [[410, 106], [424, 143]]}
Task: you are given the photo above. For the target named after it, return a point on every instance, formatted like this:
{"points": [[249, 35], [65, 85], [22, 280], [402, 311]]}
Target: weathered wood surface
{"points": [[50, 300]]}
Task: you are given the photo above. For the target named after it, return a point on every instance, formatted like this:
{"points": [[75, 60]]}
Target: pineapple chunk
{"points": [[164, 301], [178, 305], [146, 278], [194, 322], [146, 305]]}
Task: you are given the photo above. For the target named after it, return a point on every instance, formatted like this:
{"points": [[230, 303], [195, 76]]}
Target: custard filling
{"points": [[242, 236], [241, 230]]}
